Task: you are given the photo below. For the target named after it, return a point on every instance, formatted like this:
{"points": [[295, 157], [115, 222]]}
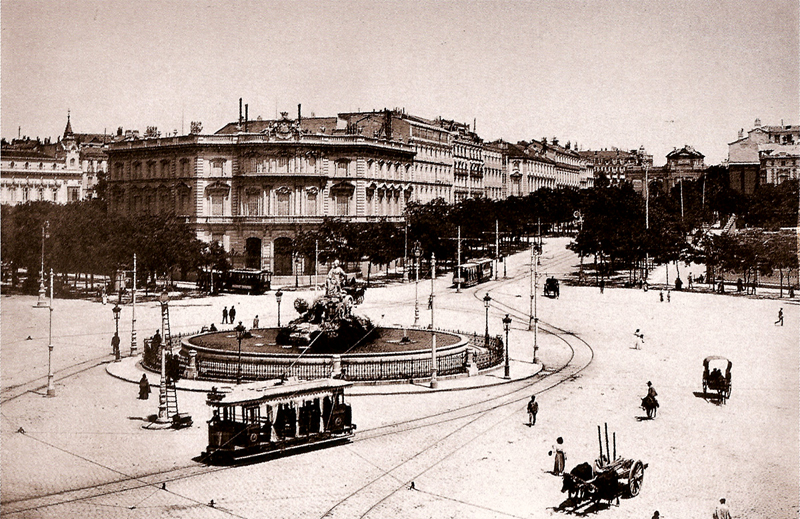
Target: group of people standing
{"points": [[229, 314]]}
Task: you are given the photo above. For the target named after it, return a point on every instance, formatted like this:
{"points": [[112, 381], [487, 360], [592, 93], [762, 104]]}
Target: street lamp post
{"points": [[506, 326], [434, 367], [116, 311], [51, 390], [486, 300], [278, 296], [162, 388], [239, 336], [133, 309], [417, 253], [405, 254], [42, 303]]}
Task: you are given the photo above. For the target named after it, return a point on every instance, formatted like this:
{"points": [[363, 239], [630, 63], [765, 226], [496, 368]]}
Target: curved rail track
{"points": [[469, 421]]}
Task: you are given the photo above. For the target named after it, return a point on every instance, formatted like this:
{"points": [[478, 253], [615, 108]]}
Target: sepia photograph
{"points": [[400, 259]]}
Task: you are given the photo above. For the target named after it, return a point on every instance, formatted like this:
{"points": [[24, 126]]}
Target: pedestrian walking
{"points": [[722, 511], [144, 387], [561, 456], [639, 341], [689, 279], [255, 322], [232, 314], [660, 296], [225, 315], [669, 298], [602, 285], [115, 345], [533, 408], [780, 317]]}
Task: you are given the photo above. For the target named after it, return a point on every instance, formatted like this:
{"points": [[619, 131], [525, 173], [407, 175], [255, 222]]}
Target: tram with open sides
{"points": [[474, 272], [256, 419]]}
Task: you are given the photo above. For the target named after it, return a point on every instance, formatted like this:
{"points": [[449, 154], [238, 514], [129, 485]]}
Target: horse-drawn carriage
{"points": [[354, 289], [551, 288], [714, 378], [606, 482]]}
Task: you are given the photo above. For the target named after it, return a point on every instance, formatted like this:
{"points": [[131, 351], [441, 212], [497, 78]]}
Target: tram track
{"points": [[471, 413], [580, 357]]}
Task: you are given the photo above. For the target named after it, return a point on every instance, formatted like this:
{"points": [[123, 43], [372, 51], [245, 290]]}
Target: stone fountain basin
{"points": [[390, 340]]}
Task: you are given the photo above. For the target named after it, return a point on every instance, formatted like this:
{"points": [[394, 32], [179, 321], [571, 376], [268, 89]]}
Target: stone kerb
{"points": [[454, 359]]}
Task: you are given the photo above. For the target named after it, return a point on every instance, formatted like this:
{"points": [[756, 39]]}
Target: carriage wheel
{"points": [[635, 478], [728, 391]]}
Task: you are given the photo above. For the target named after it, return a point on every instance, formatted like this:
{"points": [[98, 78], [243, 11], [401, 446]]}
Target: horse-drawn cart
{"points": [[621, 478], [715, 379], [605, 481]]}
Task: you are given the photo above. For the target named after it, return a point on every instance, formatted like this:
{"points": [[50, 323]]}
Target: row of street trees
{"points": [[82, 240], [614, 225]]}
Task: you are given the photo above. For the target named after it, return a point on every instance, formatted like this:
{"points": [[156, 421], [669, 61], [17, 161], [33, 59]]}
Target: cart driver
{"points": [[716, 375]]}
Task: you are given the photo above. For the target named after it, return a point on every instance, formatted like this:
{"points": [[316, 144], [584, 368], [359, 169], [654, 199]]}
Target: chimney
{"points": [[246, 117], [240, 111], [299, 114]]}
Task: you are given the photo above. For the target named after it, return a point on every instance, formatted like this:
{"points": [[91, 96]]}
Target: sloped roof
{"points": [[686, 150]]}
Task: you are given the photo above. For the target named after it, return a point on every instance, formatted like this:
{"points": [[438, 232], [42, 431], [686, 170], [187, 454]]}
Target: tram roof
{"points": [[258, 392]]}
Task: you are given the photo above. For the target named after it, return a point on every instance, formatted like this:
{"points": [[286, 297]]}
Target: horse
{"points": [[650, 405]]}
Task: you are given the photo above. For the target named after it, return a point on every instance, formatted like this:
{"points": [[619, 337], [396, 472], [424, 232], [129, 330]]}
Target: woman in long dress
{"points": [[561, 457]]}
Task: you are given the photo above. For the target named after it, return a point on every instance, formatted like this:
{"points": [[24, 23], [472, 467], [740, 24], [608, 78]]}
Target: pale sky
{"points": [[600, 73]]}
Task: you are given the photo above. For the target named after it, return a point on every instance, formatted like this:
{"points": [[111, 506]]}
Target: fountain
{"points": [[329, 340], [328, 324]]}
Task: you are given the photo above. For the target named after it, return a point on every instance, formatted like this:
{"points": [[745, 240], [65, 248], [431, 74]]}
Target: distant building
{"points": [[468, 163], [767, 154], [683, 164], [65, 171], [619, 166], [495, 181]]}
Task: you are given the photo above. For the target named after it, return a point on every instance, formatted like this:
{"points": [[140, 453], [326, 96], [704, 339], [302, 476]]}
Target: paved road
{"points": [[467, 452]]}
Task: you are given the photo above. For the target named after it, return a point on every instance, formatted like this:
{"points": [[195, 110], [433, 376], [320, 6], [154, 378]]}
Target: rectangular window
{"points": [[342, 205], [216, 205], [251, 204], [184, 202], [216, 168], [282, 202], [341, 169], [311, 206]]}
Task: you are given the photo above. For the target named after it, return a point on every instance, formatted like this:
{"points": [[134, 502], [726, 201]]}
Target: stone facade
{"points": [[254, 191], [751, 158], [65, 171]]}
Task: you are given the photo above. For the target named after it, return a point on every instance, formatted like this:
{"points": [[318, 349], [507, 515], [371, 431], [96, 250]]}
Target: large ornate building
{"points": [[254, 185], [683, 164], [767, 154], [618, 165], [60, 172]]}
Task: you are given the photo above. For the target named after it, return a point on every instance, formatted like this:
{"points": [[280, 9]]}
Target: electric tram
{"points": [[258, 418], [474, 272]]}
